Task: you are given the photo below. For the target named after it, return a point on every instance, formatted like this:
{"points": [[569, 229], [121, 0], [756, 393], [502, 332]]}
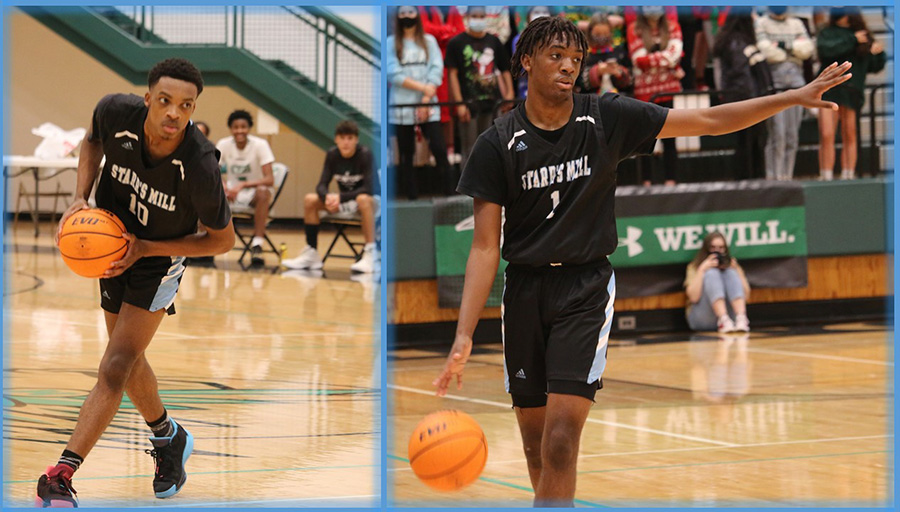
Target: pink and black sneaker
{"points": [[54, 488]]}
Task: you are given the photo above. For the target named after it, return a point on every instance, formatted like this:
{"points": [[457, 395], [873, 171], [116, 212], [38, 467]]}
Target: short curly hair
{"points": [[540, 33], [240, 114], [177, 68]]}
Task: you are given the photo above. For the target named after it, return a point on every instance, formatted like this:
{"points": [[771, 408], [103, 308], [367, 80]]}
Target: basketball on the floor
{"points": [[90, 240], [447, 450]]}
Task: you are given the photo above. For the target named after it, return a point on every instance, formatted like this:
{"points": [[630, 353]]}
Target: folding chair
{"points": [[342, 221], [243, 216]]}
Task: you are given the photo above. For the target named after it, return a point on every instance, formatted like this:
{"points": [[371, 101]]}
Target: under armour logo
{"points": [[521, 146], [520, 374], [632, 234], [127, 145]]}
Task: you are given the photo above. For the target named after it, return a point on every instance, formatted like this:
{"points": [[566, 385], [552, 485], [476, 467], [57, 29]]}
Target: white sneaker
{"points": [[741, 323], [308, 259], [726, 324], [369, 263], [848, 174]]}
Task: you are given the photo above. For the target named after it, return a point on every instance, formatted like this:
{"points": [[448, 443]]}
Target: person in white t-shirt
{"points": [[246, 162]]}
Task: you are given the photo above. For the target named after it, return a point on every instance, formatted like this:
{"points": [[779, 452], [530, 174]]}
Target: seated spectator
{"points": [[203, 127], [246, 162], [717, 289], [351, 166]]}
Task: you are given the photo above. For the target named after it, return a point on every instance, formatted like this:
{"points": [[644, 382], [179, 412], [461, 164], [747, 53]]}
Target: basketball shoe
{"points": [[369, 262], [170, 454], [308, 259], [54, 489]]}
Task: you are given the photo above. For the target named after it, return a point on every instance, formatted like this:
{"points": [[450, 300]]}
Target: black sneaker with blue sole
{"points": [[171, 454]]}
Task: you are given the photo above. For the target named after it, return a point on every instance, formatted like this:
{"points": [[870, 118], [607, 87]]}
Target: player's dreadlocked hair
{"points": [[179, 69], [540, 33]]}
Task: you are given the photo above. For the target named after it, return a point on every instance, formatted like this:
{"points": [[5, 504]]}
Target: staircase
{"points": [[305, 66]]}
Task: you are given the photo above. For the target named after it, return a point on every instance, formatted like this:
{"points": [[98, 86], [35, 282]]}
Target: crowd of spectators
{"points": [[458, 58]]}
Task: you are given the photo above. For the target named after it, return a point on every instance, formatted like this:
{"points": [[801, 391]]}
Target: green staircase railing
{"points": [[306, 66]]}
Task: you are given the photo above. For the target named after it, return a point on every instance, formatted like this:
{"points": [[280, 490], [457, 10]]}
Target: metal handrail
{"points": [[875, 143], [341, 49]]}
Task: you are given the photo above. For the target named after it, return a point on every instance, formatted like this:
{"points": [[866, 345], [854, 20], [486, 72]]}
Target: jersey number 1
{"points": [[139, 210], [555, 197]]}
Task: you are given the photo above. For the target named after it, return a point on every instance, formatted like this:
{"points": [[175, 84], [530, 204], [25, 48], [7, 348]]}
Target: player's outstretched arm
{"points": [[207, 243], [88, 168], [481, 268], [732, 117]]}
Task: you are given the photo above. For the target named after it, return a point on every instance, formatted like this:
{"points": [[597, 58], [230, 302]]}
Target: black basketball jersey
{"points": [[560, 196], [156, 200]]}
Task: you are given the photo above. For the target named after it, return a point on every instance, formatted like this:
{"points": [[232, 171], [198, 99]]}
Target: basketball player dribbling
{"points": [[160, 177], [552, 165]]}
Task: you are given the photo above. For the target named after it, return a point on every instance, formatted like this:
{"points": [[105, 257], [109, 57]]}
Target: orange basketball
{"points": [[447, 450], [90, 240]]}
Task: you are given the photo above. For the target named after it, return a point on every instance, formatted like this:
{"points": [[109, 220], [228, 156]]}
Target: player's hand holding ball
{"points": [[93, 242], [78, 205], [136, 251]]}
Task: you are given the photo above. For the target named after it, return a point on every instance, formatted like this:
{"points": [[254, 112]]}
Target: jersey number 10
{"points": [[139, 210]]}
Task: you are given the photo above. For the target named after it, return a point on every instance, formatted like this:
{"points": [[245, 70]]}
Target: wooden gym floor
{"points": [[273, 374], [782, 417]]}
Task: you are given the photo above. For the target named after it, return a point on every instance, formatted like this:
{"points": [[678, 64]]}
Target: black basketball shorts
{"points": [[151, 284], [556, 323]]}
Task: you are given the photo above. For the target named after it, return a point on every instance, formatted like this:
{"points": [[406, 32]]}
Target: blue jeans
{"points": [[717, 284]]}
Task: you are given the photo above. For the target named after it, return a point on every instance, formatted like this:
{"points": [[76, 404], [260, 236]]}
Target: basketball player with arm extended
{"points": [[552, 165], [160, 177]]}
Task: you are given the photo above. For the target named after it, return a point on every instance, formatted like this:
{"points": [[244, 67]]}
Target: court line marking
{"points": [[589, 420], [259, 502], [249, 314], [503, 483], [221, 472], [696, 448], [819, 356], [723, 462]]}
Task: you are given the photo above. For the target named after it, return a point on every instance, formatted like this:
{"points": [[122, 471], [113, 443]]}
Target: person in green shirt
{"points": [[846, 38]]}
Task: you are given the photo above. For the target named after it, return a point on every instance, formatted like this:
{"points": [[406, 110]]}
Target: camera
{"points": [[723, 259]]}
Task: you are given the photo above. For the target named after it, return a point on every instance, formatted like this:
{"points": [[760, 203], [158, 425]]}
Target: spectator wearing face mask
{"points": [[478, 71], [606, 68], [655, 46], [784, 42]]}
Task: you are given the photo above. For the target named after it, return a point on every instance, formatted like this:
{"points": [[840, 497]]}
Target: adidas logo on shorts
{"points": [[106, 295], [520, 374], [127, 145], [521, 146]]}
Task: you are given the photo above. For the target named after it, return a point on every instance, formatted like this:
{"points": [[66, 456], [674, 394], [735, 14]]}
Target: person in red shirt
{"points": [[656, 47]]}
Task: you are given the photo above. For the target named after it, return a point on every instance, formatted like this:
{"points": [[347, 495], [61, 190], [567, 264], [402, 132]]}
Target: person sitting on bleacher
{"points": [[351, 166], [716, 289]]}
